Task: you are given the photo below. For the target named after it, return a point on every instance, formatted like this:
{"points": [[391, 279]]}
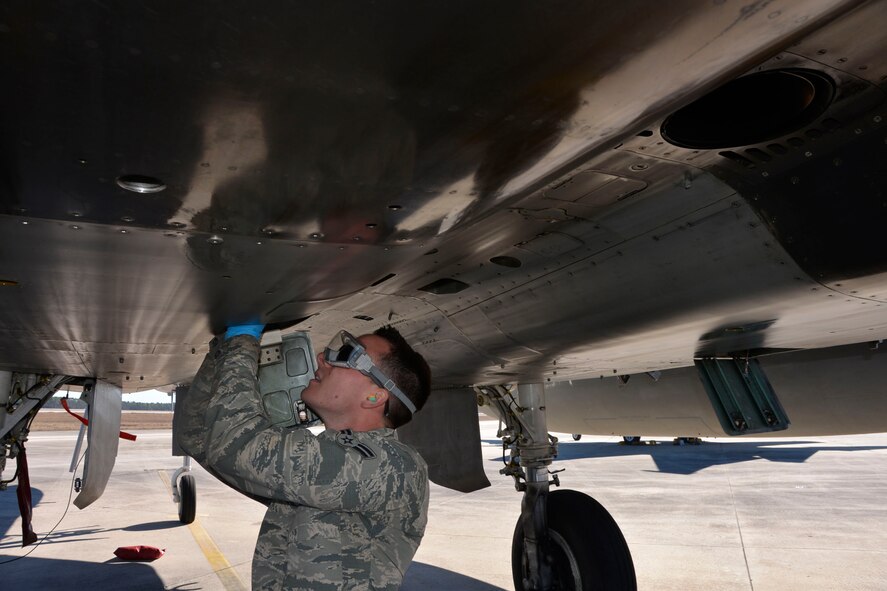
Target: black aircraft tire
{"points": [[188, 496], [588, 547]]}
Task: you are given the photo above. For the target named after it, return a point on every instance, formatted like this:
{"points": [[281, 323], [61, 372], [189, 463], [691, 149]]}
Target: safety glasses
{"points": [[345, 351]]}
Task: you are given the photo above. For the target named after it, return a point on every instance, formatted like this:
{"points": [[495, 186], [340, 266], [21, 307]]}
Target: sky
{"points": [[146, 396]]}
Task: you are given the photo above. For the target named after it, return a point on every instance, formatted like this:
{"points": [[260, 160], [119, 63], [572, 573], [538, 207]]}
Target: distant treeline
{"points": [[75, 403]]}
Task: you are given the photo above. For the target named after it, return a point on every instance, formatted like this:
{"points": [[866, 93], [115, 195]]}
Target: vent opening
{"points": [[444, 286], [504, 261]]}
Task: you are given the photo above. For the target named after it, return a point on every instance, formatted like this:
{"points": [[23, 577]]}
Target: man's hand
{"points": [[253, 330]]}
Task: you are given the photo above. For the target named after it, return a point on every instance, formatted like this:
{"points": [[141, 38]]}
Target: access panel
{"points": [[741, 395]]}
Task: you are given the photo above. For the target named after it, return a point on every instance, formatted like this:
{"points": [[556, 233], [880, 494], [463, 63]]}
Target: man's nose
{"points": [[321, 361]]}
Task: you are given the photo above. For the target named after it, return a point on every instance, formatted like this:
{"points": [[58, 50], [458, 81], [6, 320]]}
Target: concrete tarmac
{"points": [[759, 515]]}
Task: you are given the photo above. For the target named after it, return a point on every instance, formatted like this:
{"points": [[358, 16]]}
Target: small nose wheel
{"points": [[184, 492], [187, 499]]}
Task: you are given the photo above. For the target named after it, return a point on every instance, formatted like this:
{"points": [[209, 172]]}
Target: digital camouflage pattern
{"points": [[346, 510], [191, 408]]}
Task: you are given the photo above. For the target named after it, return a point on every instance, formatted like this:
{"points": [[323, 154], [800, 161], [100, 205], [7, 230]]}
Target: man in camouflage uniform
{"points": [[347, 508]]}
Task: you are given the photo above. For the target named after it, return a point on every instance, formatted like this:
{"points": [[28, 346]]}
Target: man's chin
{"points": [[310, 394]]}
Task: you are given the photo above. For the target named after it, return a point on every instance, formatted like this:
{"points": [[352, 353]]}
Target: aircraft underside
{"points": [[664, 217]]}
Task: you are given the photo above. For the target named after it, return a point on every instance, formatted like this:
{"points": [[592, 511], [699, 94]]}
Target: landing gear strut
{"points": [[564, 540]]}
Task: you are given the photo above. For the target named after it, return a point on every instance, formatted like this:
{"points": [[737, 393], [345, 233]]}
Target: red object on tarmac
{"points": [[123, 434], [143, 553]]}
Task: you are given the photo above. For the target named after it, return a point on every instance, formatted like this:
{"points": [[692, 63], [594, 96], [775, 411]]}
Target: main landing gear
{"points": [[564, 540]]}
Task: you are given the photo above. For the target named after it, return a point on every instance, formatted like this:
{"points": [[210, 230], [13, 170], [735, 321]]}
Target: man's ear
{"points": [[375, 399]]}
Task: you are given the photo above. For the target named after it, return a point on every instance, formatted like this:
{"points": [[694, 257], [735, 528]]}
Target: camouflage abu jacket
{"points": [[346, 511]]}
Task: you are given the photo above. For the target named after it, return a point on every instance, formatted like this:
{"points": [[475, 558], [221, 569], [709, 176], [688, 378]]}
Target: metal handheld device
{"points": [[285, 369]]}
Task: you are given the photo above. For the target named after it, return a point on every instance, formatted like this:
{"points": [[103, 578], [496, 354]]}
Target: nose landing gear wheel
{"points": [[588, 550], [188, 496]]}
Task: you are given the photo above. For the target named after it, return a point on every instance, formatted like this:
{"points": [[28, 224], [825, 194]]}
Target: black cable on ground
{"points": [[49, 533]]}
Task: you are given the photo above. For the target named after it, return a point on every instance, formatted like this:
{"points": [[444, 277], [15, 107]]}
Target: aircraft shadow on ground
{"points": [[425, 577], [689, 459], [154, 525], [44, 573], [12, 538], [9, 513]]}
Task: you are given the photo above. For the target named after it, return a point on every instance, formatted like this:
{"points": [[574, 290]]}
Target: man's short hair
{"points": [[409, 371]]}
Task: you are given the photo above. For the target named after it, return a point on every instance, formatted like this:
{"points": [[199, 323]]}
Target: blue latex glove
{"points": [[253, 330]]}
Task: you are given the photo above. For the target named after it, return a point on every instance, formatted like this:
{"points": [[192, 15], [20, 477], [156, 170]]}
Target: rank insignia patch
{"points": [[346, 438]]}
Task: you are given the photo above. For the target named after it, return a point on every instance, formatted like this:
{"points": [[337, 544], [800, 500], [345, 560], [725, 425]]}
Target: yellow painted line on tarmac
{"points": [[231, 581]]}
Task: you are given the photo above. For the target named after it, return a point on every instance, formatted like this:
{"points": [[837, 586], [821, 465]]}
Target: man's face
{"points": [[341, 390]]}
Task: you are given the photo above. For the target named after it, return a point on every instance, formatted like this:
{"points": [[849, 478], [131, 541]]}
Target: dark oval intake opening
{"points": [[505, 261], [752, 109]]}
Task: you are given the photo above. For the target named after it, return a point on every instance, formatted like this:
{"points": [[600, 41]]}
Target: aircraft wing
{"points": [[531, 192]]}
